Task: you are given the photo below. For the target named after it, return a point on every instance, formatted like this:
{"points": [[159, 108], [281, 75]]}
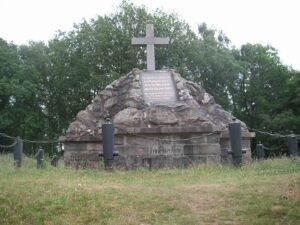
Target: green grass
{"points": [[259, 193]]}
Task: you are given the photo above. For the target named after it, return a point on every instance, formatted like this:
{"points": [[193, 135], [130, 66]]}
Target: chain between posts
{"points": [[273, 134], [7, 136], [144, 136], [171, 140], [273, 149], [28, 141], [8, 146], [40, 141]]}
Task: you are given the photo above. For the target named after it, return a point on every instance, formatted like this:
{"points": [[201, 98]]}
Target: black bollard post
{"points": [[54, 160], [260, 151], [108, 145], [18, 152], [40, 158], [236, 142], [293, 145]]}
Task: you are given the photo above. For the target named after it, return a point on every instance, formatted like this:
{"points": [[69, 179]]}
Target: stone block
{"points": [[165, 150], [202, 149], [119, 139], [225, 143], [213, 138], [141, 140], [194, 160], [190, 138], [74, 146], [162, 116], [246, 143], [131, 150], [213, 159], [82, 160], [93, 147]]}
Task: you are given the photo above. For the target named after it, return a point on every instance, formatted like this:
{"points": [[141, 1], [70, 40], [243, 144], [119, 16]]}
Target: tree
{"points": [[262, 93], [9, 64], [20, 111], [260, 83]]}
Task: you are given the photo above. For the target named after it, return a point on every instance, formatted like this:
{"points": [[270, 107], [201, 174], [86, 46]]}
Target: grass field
{"points": [[259, 193]]}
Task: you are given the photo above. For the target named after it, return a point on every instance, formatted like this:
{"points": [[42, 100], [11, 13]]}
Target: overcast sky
{"points": [[256, 21]]}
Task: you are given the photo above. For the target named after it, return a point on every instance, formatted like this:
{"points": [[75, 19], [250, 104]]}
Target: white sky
{"points": [[255, 21]]}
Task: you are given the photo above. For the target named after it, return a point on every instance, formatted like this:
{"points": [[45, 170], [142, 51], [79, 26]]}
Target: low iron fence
{"points": [[108, 146]]}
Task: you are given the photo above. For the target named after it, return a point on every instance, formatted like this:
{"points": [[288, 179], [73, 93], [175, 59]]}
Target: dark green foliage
{"points": [[43, 86], [265, 93]]}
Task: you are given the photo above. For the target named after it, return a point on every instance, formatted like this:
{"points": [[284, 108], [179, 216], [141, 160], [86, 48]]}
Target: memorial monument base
{"points": [[181, 128], [158, 148]]}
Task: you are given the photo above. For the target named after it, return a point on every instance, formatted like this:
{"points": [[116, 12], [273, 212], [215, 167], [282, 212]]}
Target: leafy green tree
{"points": [[9, 63], [217, 66], [261, 83], [291, 102], [20, 111], [264, 97]]}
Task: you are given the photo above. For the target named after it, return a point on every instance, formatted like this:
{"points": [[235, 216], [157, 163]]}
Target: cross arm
{"points": [[163, 41], [138, 41]]}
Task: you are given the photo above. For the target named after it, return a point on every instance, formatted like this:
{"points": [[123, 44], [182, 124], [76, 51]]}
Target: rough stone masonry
{"points": [[160, 119], [191, 130]]}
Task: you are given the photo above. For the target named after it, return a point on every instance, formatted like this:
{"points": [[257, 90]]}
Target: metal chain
{"points": [[138, 135], [271, 134], [40, 141], [7, 136], [171, 140], [273, 149], [29, 141], [8, 146]]}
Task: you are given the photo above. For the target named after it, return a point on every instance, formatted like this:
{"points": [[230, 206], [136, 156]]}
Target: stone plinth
{"points": [[226, 146], [151, 148]]}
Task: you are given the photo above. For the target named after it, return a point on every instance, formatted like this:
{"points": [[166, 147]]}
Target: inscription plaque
{"points": [[157, 150], [158, 87]]}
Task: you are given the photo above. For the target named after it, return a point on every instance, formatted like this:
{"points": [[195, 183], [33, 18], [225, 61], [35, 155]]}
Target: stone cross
{"points": [[150, 41]]}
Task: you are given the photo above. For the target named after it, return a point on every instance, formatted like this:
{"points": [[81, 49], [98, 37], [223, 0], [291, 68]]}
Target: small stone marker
{"points": [[18, 152], [293, 145], [260, 151], [150, 41], [54, 160], [40, 158]]}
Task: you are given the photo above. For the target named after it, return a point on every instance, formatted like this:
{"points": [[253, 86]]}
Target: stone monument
{"points": [[160, 119]]}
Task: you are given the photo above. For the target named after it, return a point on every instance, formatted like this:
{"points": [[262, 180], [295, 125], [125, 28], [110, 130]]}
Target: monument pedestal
{"points": [[158, 147], [167, 146], [163, 122], [163, 147]]}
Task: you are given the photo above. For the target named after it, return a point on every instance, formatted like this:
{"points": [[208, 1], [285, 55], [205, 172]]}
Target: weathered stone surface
{"points": [[129, 117], [123, 102], [202, 149], [75, 128], [161, 115], [191, 130], [86, 118]]}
